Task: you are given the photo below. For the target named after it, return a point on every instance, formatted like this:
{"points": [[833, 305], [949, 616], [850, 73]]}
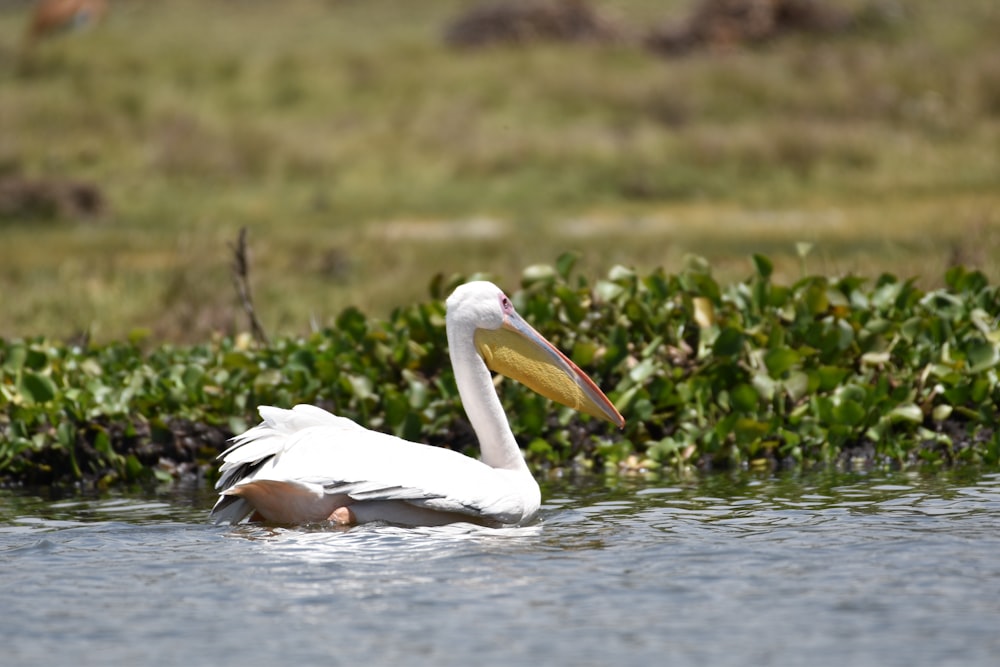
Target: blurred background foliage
{"points": [[369, 144]]}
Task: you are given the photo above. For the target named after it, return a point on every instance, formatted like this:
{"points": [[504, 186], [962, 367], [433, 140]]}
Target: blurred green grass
{"points": [[365, 156]]}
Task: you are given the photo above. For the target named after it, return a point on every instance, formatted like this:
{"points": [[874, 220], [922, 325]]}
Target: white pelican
{"points": [[306, 465]]}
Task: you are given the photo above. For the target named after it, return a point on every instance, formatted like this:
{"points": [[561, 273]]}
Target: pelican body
{"points": [[307, 465]]}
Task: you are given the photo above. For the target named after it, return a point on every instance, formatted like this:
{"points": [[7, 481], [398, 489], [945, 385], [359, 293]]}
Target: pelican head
{"points": [[510, 346]]}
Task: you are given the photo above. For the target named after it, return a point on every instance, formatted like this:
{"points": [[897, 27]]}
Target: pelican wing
{"points": [[309, 453]]}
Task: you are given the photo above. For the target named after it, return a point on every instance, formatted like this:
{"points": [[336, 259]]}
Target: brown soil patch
{"points": [[728, 24], [522, 21], [23, 199]]}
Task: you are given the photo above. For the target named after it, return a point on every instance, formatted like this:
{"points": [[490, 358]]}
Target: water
{"points": [[830, 570]]}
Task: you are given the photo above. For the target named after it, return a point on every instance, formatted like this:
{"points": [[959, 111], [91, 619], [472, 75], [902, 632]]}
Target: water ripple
{"points": [[862, 570]]}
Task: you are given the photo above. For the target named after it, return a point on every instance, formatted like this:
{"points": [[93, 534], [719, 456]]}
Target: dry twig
{"points": [[241, 279]]}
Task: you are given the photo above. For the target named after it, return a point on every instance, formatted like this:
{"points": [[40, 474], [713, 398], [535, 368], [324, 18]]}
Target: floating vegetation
{"points": [[824, 371]]}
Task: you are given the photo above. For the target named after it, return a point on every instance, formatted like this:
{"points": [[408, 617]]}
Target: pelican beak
{"points": [[521, 353]]}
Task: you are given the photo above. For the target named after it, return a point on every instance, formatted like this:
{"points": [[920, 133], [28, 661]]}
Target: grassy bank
{"points": [[364, 154]]}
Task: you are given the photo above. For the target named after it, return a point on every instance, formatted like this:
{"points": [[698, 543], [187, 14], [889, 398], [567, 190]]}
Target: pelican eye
{"points": [[505, 304]]}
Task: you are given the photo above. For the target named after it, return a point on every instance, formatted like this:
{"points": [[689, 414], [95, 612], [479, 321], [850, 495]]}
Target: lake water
{"points": [[855, 570]]}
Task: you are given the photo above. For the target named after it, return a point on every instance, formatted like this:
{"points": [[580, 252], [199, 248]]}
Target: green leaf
{"points": [[830, 377], [798, 385], [102, 444], [815, 298], [396, 407], [643, 370], [14, 357], [570, 300], [982, 356], [134, 468], [36, 359], [272, 377], [540, 448], [537, 273], [728, 343], [565, 264], [765, 386], [621, 274], [749, 430], [584, 352], [763, 266], [66, 434], [875, 358], [848, 412], [238, 360], [37, 388], [909, 412], [941, 412], [744, 397], [780, 360], [361, 386], [353, 322], [192, 376], [608, 291]]}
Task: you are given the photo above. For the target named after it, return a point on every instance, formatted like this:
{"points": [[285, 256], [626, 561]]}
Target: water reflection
{"points": [[590, 504], [381, 543], [51, 509], [586, 505]]}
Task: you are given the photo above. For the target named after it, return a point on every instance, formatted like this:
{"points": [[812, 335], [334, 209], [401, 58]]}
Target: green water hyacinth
{"points": [[823, 371]]}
